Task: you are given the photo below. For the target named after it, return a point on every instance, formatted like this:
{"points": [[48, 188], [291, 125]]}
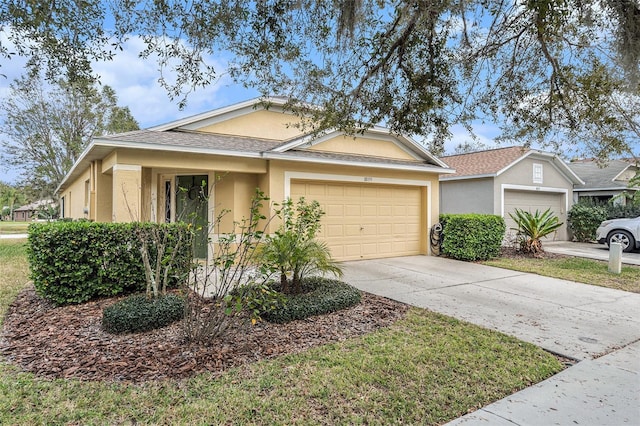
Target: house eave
{"points": [[614, 188], [404, 167], [251, 103], [452, 178]]}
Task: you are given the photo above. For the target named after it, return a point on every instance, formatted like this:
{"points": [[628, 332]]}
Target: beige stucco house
{"points": [[500, 180], [379, 190]]}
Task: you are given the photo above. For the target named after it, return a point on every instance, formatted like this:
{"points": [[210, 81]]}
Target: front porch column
{"points": [[127, 193]]}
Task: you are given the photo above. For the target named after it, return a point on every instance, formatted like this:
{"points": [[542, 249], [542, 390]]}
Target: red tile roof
{"points": [[484, 162]]}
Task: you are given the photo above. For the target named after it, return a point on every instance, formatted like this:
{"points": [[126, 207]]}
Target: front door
{"points": [[192, 200]]}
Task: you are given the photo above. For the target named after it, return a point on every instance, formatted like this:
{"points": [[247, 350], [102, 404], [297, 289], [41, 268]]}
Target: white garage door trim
{"points": [[507, 186], [288, 176]]}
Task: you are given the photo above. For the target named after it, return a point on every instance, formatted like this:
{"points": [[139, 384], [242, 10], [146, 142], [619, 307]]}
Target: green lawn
{"points": [[13, 227], [425, 369], [588, 271]]}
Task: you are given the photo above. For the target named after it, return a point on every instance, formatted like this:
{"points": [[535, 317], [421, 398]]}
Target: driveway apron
{"points": [[575, 320]]}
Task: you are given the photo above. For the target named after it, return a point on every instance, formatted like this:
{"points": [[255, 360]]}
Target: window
{"points": [[537, 173], [62, 207], [167, 201], [87, 195]]}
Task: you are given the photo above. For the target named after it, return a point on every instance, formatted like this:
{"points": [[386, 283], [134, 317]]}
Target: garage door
{"points": [[366, 221], [535, 200]]}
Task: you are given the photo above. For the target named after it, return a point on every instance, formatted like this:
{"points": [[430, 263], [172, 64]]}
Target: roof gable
{"points": [[484, 163], [610, 175], [494, 162], [364, 145], [263, 118], [376, 142]]}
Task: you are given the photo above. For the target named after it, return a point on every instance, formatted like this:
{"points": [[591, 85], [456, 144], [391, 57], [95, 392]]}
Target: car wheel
{"points": [[624, 238]]}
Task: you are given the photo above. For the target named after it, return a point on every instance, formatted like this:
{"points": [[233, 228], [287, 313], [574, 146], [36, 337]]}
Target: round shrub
{"points": [[141, 313], [319, 296], [472, 237]]}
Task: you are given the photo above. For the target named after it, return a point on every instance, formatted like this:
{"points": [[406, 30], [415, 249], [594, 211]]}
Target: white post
{"points": [[615, 258]]}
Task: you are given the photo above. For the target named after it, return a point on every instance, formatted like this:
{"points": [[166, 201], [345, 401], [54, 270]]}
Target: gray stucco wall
{"points": [[522, 174], [550, 189], [467, 196]]}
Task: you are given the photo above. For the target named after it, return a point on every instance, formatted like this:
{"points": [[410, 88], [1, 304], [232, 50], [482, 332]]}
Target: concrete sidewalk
{"points": [[13, 236], [578, 321], [596, 392]]}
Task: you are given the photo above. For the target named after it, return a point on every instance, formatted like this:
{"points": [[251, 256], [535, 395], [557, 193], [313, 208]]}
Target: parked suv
{"points": [[623, 231]]}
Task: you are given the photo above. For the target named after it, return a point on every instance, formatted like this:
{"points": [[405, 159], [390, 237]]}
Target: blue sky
{"points": [[135, 81]]}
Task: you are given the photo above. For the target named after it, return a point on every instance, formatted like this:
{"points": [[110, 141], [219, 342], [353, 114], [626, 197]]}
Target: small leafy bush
{"points": [[586, 215], [257, 299], [72, 262], [319, 296], [616, 211], [139, 313], [583, 220], [472, 237]]}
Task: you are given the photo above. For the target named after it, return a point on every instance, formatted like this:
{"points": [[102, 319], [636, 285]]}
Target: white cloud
{"points": [[485, 135], [135, 81]]}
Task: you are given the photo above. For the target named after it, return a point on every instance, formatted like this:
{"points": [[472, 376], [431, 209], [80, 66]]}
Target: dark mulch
{"points": [[69, 342], [513, 253]]}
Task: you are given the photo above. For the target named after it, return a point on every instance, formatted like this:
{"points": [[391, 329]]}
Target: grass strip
{"points": [[13, 227], [14, 271], [587, 271]]}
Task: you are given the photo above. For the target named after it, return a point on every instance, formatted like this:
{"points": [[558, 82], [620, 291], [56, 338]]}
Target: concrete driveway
{"points": [[575, 320]]}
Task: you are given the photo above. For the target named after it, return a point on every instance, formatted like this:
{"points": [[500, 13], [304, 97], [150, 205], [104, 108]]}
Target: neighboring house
{"points": [[29, 211], [605, 181], [500, 180], [379, 190]]}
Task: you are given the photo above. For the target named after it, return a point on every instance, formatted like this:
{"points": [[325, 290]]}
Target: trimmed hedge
{"points": [[72, 262], [586, 215], [320, 296], [472, 236], [141, 313], [615, 211], [583, 220]]}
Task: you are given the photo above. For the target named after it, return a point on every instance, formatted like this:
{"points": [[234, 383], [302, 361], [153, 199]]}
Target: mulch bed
{"points": [[69, 342], [512, 253]]}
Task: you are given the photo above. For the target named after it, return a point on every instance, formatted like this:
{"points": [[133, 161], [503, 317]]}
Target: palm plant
{"points": [[532, 227], [293, 249]]}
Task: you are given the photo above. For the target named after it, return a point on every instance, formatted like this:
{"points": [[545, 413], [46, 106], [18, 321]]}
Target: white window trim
{"points": [[538, 167]]}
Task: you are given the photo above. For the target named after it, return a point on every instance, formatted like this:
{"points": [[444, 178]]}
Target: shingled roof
{"points": [[483, 163], [184, 139], [605, 176]]}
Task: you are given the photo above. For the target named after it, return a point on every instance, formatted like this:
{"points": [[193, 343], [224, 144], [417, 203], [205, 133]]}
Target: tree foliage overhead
{"points": [[46, 127], [547, 70]]}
